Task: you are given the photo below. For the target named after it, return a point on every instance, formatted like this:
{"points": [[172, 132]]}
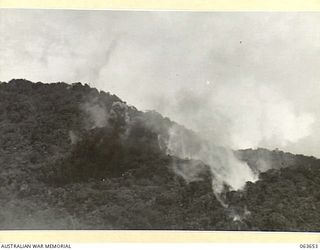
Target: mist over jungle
{"points": [[248, 79], [73, 157], [159, 120]]}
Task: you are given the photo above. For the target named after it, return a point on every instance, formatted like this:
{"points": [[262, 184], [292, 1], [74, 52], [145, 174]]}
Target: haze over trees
{"points": [[73, 157]]}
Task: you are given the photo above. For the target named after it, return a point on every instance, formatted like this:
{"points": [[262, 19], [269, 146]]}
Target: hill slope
{"points": [[72, 157]]}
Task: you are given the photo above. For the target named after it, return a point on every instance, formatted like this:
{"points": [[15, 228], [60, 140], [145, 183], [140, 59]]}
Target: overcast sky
{"points": [[242, 79]]}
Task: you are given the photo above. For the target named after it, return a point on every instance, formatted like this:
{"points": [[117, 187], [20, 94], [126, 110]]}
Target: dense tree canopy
{"points": [[72, 157]]}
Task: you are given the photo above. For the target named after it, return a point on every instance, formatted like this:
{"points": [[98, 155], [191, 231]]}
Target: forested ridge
{"points": [[73, 157]]}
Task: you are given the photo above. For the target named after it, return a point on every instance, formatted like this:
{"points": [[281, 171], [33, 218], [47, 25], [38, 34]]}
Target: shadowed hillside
{"points": [[73, 157]]}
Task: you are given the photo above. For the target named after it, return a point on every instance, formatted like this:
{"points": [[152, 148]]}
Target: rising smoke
{"points": [[234, 78], [226, 117], [96, 112], [225, 168], [199, 64], [242, 115]]}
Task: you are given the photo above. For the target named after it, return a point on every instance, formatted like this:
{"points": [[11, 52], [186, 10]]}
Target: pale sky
{"points": [[245, 79]]}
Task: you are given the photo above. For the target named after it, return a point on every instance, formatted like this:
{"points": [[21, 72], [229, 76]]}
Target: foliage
{"points": [[60, 171]]}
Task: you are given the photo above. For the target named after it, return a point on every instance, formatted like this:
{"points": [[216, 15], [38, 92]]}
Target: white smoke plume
{"points": [[234, 116], [240, 80], [225, 168], [192, 67], [96, 112], [261, 116], [74, 138], [242, 115], [190, 170]]}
